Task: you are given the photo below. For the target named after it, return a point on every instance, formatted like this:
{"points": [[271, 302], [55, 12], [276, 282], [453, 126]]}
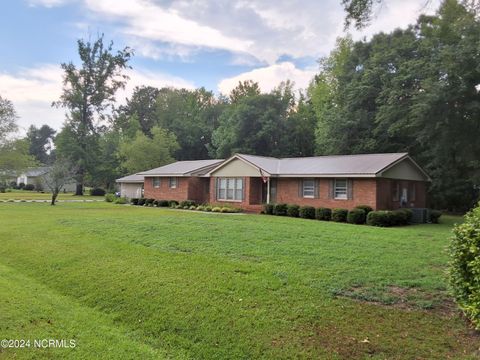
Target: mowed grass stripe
{"points": [[239, 287]]}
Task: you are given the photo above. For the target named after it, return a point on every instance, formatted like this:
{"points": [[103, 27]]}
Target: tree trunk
{"points": [[54, 197], [79, 189]]}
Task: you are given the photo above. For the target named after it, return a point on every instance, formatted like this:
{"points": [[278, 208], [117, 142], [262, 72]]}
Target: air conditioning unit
{"points": [[420, 215]]}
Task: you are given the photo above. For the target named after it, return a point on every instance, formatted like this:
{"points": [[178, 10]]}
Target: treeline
{"points": [[413, 90]]}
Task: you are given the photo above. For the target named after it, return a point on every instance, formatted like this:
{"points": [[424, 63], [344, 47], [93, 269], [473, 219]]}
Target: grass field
{"points": [[128, 282], [33, 195]]}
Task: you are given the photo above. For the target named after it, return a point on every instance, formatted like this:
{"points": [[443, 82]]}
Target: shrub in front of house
{"points": [[200, 208], [121, 201], [356, 216], [307, 212], [163, 203], [365, 208], [382, 218], [3, 189], [322, 213], [110, 197], [339, 215], [188, 203], [134, 201], [172, 203], [401, 217], [149, 202], [192, 207], [21, 186], [178, 207], [434, 216], [293, 210], [208, 208], [216, 209], [141, 201], [30, 187], [280, 209], [268, 209], [464, 265]]}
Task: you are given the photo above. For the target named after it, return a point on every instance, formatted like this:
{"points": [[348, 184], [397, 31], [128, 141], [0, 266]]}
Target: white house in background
{"points": [[34, 176], [131, 186]]}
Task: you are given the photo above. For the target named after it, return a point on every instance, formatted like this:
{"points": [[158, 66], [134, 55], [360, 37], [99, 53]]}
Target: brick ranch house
{"points": [[382, 181]]}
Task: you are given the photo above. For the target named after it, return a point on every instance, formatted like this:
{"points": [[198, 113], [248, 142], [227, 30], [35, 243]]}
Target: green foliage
{"points": [[97, 192], [268, 209], [307, 212], [187, 203], [356, 216], [339, 215], [141, 201], [149, 202], [40, 142], [464, 266], [208, 208], [365, 208], [134, 201], [193, 207], [411, 90], [121, 201], [8, 117], [322, 213], [14, 157], [280, 209], [143, 153], [29, 187], [293, 210], [216, 209], [402, 216], [110, 197], [381, 218], [163, 203], [200, 208], [172, 203], [434, 216]]}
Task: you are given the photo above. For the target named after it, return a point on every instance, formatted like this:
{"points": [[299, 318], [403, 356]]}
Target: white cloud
{"points": [[33, 90], [270, 76]]}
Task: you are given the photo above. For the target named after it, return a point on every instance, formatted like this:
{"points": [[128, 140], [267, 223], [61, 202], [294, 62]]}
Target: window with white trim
{"points": [[156, 182], [172, 183], [308, 188], [230, 189], [340, 189]]}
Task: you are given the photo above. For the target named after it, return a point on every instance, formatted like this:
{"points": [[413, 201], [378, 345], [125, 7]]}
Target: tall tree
{"points": [[88, 94], [413, 90], [143, 153], [142, 106], [8, 118], [41, 142]]}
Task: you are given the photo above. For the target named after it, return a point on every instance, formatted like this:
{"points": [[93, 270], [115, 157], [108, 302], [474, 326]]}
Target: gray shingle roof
{"points": [[134, 178], [37, 171], [184, 168], [362, 164]]}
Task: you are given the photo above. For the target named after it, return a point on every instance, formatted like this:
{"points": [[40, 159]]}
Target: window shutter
{"points": [[331, 189], [300, 188], [317, 190], [349, 189]]}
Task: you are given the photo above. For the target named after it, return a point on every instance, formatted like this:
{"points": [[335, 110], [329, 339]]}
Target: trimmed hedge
{"points": [[307, 212], [293, 210], [134, 201], [31, 187], [365, 208], [268, 209], [339, 215], [187, 203], [149, 202], [322, 213], [141, 201], [163, 203], [280, 209], [464, 265], [356, 216], [382, 218], [172, 203], [434, 216], [402, 216], [120, 201], [97, 192]]}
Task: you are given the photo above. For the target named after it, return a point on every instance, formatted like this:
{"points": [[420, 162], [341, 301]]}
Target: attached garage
{"points": [[131, 186]]}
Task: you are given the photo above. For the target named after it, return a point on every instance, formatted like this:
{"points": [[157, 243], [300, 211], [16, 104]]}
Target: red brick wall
{"points": [[164, 192], [250, 200], [385, 199], [364, 193], [198, 189]]}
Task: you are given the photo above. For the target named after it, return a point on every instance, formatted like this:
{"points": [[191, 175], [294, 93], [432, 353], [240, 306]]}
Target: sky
{"points": [[184, 44]]}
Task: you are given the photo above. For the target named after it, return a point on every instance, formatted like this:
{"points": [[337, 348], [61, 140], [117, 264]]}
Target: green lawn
{"points": [[129, 282], [33, 195]]}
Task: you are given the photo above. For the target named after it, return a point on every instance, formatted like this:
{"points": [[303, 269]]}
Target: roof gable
{"points": [[184, 168]]}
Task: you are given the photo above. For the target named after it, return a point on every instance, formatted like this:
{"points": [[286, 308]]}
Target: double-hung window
{"points": [[308, 188], [340, 189], [156, 182], [173, 183], [230, 189]]}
